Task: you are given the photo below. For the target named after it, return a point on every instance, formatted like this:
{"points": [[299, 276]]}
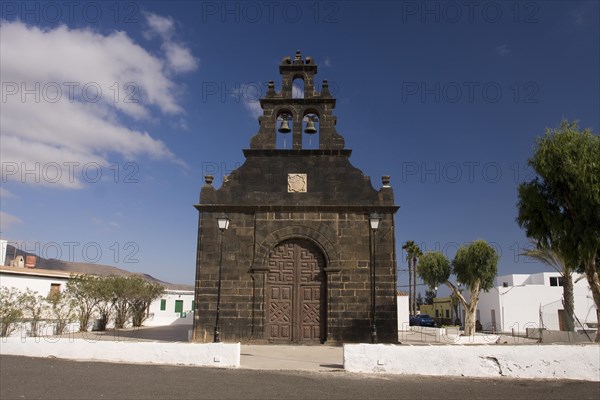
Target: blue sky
{"points": [[112, 113]]}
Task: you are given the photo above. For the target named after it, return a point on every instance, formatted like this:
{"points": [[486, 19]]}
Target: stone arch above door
{"points": [[322, 240]]}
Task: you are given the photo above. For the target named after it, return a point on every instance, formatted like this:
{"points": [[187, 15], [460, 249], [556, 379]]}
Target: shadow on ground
{"points": [[169, 333]]}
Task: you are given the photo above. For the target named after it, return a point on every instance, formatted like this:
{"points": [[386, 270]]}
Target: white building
{"points": [[403, 312], [522, 301], [42, 281], [3, 247], [169, 308]]}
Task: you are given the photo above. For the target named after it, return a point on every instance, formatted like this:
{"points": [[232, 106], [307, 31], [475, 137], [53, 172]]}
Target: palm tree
{"points": [[412, 253], [553, 258], [416, 253]]}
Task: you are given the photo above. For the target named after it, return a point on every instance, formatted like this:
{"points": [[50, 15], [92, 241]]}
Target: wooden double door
{"points": [[296, 293]]}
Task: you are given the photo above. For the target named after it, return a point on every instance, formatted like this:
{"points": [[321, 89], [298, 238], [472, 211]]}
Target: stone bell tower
{"points": [[298, 258]]}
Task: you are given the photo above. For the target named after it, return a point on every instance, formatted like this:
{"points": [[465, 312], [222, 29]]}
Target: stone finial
{"points": [[385, 180], [325, 89], [308, 60], [286, 60], [271, 89], [208, 179], [298, 58]]}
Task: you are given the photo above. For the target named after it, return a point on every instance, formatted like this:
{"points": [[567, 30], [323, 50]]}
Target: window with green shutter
{"points": [[163, 304]]}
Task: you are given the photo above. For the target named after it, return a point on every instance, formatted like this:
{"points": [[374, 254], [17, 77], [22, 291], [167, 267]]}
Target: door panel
{"points": [[295, 293], [280, 311], [179, 306]]}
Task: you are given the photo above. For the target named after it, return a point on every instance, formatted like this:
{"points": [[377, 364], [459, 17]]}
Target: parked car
{"points": [[421, 320]]}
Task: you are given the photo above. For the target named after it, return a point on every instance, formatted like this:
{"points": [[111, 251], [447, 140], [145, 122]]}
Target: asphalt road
{"points": [[42, 378]]}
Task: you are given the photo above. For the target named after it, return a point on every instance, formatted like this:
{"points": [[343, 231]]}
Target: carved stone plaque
{"points": [[296, 183]]}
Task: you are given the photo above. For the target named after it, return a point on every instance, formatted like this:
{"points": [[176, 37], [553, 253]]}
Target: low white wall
{"points": [[195, 354], [518, 361]]}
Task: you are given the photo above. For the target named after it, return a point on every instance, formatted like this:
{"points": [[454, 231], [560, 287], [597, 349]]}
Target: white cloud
{"points": [[254, 107], [163, 26], [179, 58], [297, 92], [7, 221], [6, 194], [105, 225], [584, 12], [65, 91], [503, 50], [250, 95], [327, 61]]}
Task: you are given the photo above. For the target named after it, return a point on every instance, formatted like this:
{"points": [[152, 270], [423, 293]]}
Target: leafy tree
{"points": [[35, 307], [420, 300], [105, 296], [63, 310], [429, 296], [560, 207], [142, 294], [475, 265], [10, 310], [84, 289], [121, 291], [559, 263], [454, 302], [131, 297]]}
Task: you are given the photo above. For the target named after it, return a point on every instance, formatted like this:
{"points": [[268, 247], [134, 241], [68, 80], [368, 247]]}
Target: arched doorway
{"points": [[296, 293]]}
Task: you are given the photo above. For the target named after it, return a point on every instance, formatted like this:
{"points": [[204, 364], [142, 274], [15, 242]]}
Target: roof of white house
{"points": [[540, 278], [35, 272], [177, 291], [48, 273]]}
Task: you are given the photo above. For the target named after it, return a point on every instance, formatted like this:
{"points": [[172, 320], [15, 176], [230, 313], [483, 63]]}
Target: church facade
{"points": [[299, 262]]}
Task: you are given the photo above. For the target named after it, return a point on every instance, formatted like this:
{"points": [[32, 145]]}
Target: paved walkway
{"points": [[266, 357], [299, 358]]}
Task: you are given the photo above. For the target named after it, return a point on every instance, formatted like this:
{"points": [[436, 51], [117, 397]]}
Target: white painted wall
{"points": [[168, 315], [492, 361], [517, 307], [403, 313], [40, 284], [3, 246], [225, 355]]}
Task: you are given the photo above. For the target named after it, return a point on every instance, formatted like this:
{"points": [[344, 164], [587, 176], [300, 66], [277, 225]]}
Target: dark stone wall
{"points": [[333, 214]]}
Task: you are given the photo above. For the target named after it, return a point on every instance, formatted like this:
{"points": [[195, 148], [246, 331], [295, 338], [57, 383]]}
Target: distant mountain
{"points": [[86, 268]]}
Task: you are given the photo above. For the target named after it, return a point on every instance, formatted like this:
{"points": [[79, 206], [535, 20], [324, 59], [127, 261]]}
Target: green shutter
{"points": [[163, 304]]}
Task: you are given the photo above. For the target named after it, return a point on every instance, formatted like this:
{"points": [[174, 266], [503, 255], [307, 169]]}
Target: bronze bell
{"points": [[284, 127], [310, 127]]}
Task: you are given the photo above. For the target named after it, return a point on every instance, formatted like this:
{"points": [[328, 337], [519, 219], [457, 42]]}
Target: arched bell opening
{"points": [[298, 87], [311, 131], [285, 126]]}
